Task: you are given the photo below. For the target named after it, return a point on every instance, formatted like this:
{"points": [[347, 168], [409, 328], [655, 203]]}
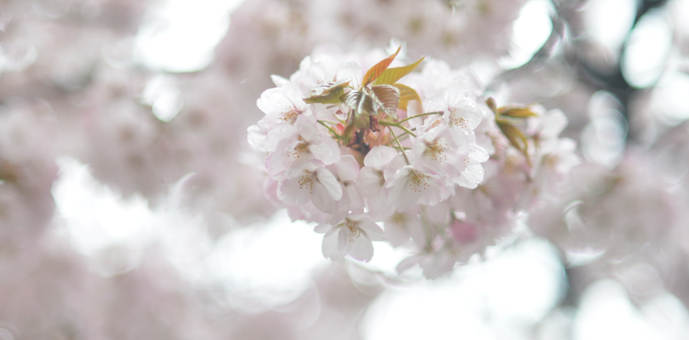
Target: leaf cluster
{"points": [[379, 92], [507, 119]]}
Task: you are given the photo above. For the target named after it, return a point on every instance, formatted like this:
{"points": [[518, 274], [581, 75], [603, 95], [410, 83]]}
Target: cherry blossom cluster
{"points": [[352, 150]]}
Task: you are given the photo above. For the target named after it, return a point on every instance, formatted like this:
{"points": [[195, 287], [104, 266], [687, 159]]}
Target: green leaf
{"points": [[374, 72], [388, 97], [370, 101], [392, 75], [359, 101], [328, 93], [407, 94], [515, 136], [517, 112]]}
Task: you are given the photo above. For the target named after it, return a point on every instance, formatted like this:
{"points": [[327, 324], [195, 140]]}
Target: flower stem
{"points": [[400, 145], [420, 115], [403, 136], [384, 123], [398, 148], [329, 128], [406, 130]]}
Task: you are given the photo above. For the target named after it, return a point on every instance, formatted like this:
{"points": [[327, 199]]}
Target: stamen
{"points": [[300, 148], [460, 122], [399, 218], [307, 180], [436, 151], [418, 181], [290, 116], [551, 161], [354, 231]]}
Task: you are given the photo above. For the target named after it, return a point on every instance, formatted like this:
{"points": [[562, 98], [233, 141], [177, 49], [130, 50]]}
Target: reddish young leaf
{"points": [[374, 72]]}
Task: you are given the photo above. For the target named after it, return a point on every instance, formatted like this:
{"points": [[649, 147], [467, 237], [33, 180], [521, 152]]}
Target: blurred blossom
{"points": [[607, 312], [604, 136], [647, 50], [610, 30], [164, 97], [480, 301], [98, 223], [667, 99], [16, 58], [529, 33], [116, 234], [180, 36], [606, 23], [27, 171], [280, 268], [596, 212]]}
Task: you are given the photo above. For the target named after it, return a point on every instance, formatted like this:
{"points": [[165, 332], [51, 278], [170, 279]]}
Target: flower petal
{"points": [[370, 182], [292, 193], [322, 199], [322, 228], [409, 262], [326, 151], [362, 249], [401, 195], [356, 202], [343, 237], [329, 182], [372, 230], [348, 168], [330, 247], [469, 111], [378, 206], [380, 156]]}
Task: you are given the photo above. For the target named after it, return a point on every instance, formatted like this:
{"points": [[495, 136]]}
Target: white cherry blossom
{"points": [[346, 172], [399, 227], [371, 177], [433, 264], [414, 184], [460, 113], [547, 127], [314, 183], [470, 168], [282, 106], [351, 236], [302, 143]]}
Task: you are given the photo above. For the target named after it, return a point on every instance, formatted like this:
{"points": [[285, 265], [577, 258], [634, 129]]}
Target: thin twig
{"points": [[400, 145]]}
